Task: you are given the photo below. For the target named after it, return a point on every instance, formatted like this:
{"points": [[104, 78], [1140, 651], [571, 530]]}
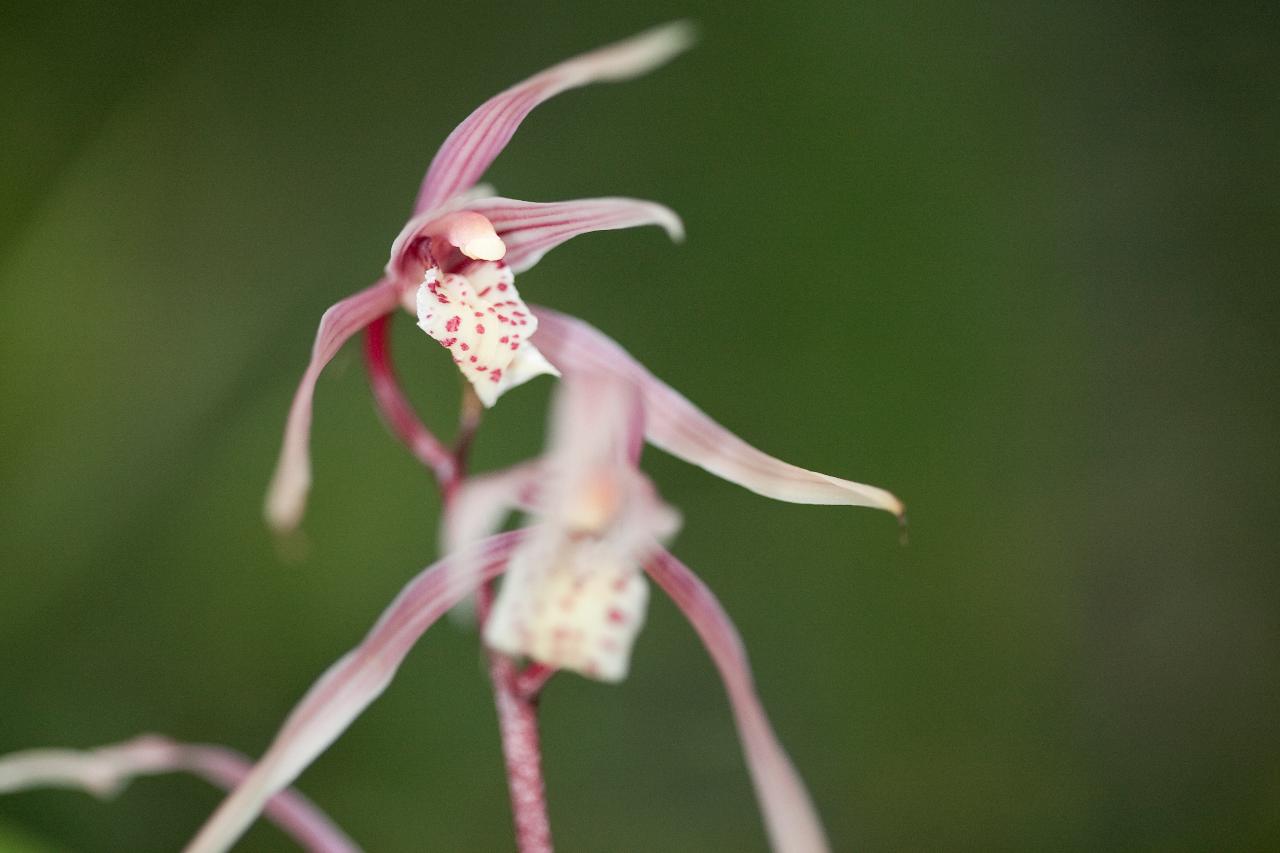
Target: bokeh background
{"points": [[1016, 262]]}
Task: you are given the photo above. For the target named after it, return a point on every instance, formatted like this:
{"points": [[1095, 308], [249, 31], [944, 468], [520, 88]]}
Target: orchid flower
{"points": [[573, 599], [106, 770], [574, 594], [453, 265]]}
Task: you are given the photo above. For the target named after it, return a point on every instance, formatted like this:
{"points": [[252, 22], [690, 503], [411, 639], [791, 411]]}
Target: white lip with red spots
{"points": [[479, 317]]}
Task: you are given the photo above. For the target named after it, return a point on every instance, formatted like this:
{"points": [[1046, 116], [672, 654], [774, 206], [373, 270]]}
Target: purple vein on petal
{"points": [[105, 770], [682, 429], [287, 495], [790, 818], [475, 143], [531, 229], [348, 687]]}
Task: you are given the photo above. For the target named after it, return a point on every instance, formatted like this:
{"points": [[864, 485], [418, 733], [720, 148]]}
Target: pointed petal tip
{"points": [[648, 50], [669, 221], [286, 501]]}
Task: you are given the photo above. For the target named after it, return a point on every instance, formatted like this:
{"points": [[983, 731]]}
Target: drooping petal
{"points": [[790, 818], [347, 688], [531, 229], [287, 494], [677, 426], [105, 770], [479, 317], [475, 143]]}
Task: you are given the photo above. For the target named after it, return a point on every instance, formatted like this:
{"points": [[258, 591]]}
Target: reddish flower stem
{"points": [[396, 410], [515, 692]]}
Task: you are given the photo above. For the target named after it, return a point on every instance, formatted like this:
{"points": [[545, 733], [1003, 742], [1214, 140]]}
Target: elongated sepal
{"points": [[477, 142], [789, 815], [287, 495], [677, 426]]}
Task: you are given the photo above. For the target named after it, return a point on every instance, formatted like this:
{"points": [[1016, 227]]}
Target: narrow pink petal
{"points": [[347, 688], [677, 426], [475, 143], [789, 815], [531, 229], [103, 771], [478, 508], [287, 494], [481, 504]]}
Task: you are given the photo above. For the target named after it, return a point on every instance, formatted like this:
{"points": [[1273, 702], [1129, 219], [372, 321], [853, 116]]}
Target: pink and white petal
{"points": [[105, 770], [675, 425], [287, 495], [478, 316], [348, 687], [531, 229], [475, 143], [790, 817]]}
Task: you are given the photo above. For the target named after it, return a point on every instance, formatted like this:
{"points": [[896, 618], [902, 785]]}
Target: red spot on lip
{"points": [[452, 325], [496, 375], [502, 285], [616, 616], [479, 329]]}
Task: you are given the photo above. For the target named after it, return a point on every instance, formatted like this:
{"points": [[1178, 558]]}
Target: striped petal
{"points": [[531, 229], [348, 687], [677, 426], [475, 143], [105, 770], [789, 815], [287, 495]]}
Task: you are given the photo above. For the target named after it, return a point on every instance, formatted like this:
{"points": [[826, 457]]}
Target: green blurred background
{"points": [[1022, 257]]}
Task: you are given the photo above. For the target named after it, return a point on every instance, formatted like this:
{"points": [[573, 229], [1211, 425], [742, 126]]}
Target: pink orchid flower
{"points": [[453, 264], [574, 596]]}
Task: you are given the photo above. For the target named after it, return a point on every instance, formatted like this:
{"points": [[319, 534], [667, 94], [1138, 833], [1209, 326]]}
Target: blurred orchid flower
{"points": [[107, 769], [573, 597], [453, 264]]}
